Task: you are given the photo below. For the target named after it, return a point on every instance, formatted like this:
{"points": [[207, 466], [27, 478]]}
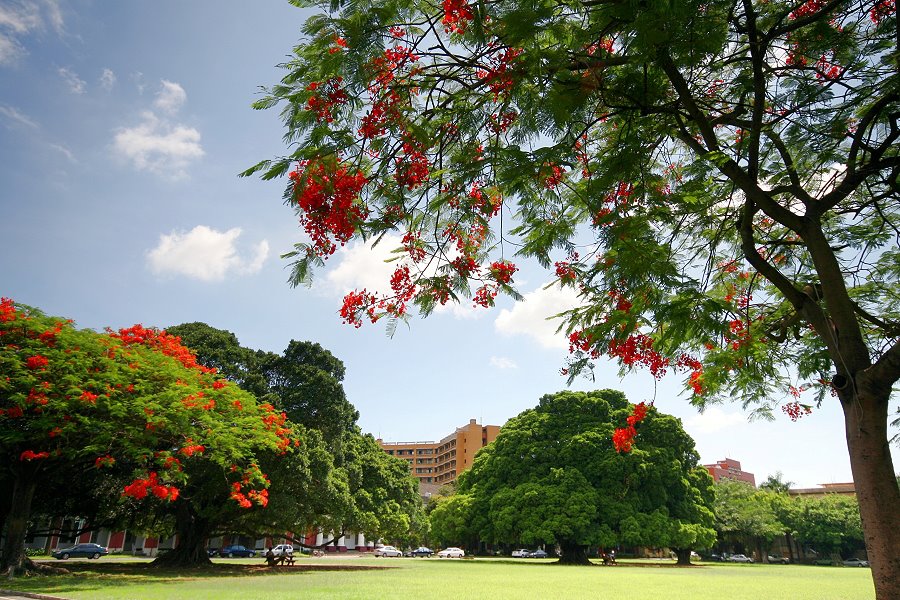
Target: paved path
{"points": [[14, 595]]}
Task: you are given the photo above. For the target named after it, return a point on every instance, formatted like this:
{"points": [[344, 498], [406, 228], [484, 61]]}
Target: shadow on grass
{"points": [[85, 576]]}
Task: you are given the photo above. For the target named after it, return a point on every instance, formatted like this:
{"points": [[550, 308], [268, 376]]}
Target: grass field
{"points": [[369, 578]]}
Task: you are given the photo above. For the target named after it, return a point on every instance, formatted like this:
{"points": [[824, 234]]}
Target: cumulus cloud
{"points": [[501, 362], [158, 146], [107, 79], [529, 317], [76, 84], [205, 254], [170, 98], [713, 419], [13, 114]]}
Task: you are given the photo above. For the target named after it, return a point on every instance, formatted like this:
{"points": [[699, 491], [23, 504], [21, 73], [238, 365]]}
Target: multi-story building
{"points": [[730, 469], [440, 463]]}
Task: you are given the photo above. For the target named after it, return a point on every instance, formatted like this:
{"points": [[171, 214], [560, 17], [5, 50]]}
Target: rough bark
{"points": [[865, 415], [574, 554], [14, 560], [192, 534]]}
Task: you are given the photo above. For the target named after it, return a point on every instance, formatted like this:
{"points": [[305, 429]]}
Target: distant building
{"points": [[824, 489], [730, 469], [440, 463]]}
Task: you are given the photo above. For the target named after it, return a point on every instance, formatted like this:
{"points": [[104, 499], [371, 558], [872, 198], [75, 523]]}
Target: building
{"points": [[730, 469], [440, 463], [841, 489]]}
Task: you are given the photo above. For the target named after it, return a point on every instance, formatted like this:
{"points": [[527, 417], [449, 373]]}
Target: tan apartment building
{"points": [[440, 463]]}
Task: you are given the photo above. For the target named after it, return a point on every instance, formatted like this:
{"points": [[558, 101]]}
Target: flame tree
{"points": [[135, 400], [718, 180]]}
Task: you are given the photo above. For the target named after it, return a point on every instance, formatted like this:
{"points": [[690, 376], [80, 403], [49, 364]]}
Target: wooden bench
{"points": [[284, 559]]}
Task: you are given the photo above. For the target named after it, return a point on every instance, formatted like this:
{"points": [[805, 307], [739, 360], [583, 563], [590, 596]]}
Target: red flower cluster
{"points": [[810, 7], [325, 98], [826, 70], [498, 77], [413, 168], [31, 455], [37, 362], [355, 304], [412, 243], [457, 15], [261, 497], [327, 199], [555, 177], [501, 123], [638, 349], [795, 410], [623, 437], [104, 461], [8, 310], [140, 488], [564, 271], [583, 342], [88, 397], [12, 412], [502, 271], [191, 449], [170, 345], [882, 10]]}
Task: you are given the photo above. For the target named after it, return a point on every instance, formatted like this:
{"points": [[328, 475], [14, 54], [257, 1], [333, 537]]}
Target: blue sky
{"points": [[123, 126]]}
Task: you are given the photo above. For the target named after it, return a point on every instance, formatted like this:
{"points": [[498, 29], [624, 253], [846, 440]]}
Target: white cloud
{"points": [[529, 317], [170, 98], [363, 267], [107, 79], [10, 50], [713, 419], [76, 84], [205, 254], [14, 114], [160, 147], [501, 362], [18, 19]]}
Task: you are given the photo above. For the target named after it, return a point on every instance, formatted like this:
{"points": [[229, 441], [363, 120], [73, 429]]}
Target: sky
{"points": [[123, 126]]}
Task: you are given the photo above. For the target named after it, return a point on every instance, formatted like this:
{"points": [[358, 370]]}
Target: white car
{"points": [[522, 553], [740, 558], [283, 549], [387, 551], [451, 553]]}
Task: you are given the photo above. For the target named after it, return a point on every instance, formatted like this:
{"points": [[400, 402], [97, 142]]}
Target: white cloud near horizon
{"points": [[205, 254], [713, 419], [76, 84], [530, 317], [503, 363]]}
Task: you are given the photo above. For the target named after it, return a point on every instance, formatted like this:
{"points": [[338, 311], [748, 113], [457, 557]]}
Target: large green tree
{"points": [[340, 480], [717, 179], [830, 525], [134, 401], [747, 516], [554, 476]]}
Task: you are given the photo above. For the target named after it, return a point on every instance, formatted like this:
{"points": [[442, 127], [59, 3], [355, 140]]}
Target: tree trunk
{"points": [[573, 554], [13, 560], [683, 555], [866, 418], [193, 533]]}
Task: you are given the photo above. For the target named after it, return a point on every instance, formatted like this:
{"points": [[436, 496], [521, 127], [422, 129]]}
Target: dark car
{"points": [[81, 550], [422, 551], [537, 554], [232, 551]]}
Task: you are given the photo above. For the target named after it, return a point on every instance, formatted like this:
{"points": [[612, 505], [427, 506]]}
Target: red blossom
{"points": [[881, 11], [191, 449], [37, 362], [795, 410], [325, 98], [89, 397], [810, 7], [502, 271], [104, 461], [32, 455], [457, 15], [8, 310], [355, 304]]}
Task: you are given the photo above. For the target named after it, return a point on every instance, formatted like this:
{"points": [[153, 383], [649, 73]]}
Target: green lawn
{"points": [[457, 579]]}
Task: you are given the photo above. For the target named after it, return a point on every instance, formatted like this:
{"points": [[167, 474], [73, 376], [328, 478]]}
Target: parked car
{"points": [[451, 553], [778, 559], [80, 550], [283, 549], [232, 551], [422, 551], [740, 558], [387, 551], [521, 553], [717, 557], [537, 554], [856, 562]]}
